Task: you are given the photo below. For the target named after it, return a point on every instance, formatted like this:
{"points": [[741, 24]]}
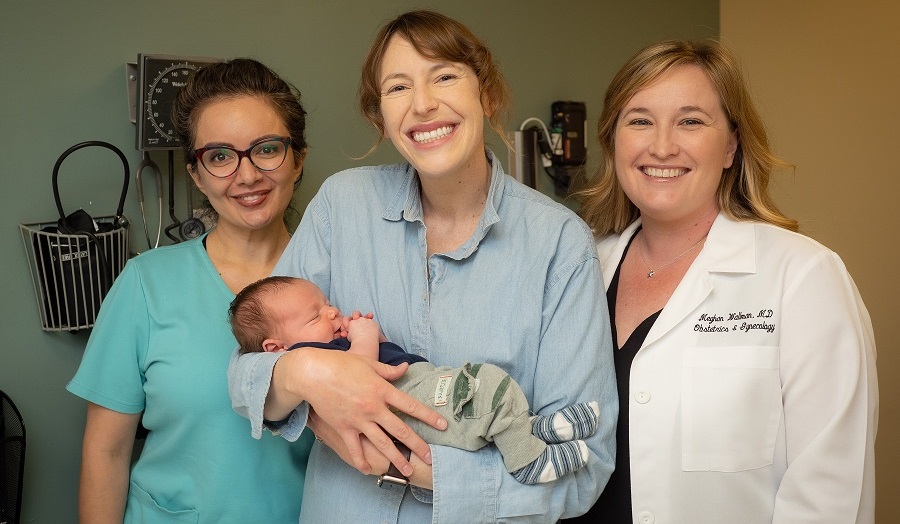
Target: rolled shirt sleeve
{"points": [[249, 378]]}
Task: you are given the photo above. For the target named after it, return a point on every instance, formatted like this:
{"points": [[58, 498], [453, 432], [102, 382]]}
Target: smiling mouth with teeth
{"points": [[430, 136], [250, 198], [664, 173]]}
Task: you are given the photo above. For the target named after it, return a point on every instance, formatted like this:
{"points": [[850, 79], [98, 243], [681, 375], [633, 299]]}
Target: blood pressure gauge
{"points": [[159, 79]]}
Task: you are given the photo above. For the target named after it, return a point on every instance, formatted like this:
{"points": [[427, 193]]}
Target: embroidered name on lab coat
{"points": [[737, 321]]}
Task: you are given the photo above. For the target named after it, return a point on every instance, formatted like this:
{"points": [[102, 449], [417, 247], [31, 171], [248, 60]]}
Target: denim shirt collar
{"points": [[407, 205]]}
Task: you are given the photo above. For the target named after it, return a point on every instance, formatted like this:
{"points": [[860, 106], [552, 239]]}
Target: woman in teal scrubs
{"points": [[161, 344]]}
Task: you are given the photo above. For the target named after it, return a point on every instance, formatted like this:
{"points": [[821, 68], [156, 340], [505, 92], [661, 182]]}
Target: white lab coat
{"points": [[754, 396]]}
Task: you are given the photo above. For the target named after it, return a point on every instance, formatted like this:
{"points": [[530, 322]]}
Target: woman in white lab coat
{"points": [[744, 354]]}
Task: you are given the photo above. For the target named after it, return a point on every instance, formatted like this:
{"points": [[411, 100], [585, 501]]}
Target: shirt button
{"points": [[642, 397], [647, 517]]}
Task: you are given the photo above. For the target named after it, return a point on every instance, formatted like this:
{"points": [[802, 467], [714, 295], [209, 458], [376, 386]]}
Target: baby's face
{"points": [[303, 314]]}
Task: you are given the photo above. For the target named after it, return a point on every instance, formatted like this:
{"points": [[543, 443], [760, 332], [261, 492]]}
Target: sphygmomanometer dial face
{"points": [[160, 77]]}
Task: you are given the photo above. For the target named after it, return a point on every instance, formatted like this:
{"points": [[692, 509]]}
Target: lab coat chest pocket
{"points": [[731, 407]]}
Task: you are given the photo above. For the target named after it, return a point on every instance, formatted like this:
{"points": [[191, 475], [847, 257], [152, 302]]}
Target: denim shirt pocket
{"points": [[731, 407]]}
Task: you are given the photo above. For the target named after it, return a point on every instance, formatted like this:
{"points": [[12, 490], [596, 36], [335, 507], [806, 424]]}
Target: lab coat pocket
{"points": [[731, 407]]}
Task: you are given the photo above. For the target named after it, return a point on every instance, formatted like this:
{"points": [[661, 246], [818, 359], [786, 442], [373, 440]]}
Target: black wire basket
{"points": [[75, 259], [72, 273]]}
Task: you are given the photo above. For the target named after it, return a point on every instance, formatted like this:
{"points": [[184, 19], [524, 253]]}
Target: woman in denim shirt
{"points": [[458, 262]]}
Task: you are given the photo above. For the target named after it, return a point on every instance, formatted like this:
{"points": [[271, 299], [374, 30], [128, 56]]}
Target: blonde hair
{"points": [[437, 37], [743, 191]]}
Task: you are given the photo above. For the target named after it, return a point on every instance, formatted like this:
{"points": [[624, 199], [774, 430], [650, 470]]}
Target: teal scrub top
{"points": [[161, 345]]}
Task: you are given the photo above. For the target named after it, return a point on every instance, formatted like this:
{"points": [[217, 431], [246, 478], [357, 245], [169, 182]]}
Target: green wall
{"points": [[63, 81]]}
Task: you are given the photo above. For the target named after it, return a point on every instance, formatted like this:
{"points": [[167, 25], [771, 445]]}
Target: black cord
{"points": [[175, 222]]}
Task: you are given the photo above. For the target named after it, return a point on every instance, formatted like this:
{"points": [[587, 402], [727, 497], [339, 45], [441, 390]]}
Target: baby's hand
{"points": [[363, 326], [356, 315]]}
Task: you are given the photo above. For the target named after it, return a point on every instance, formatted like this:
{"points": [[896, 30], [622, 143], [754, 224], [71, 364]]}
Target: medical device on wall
{"points": [[154, 81], [159, 79], [75, 259], [559, 151]]}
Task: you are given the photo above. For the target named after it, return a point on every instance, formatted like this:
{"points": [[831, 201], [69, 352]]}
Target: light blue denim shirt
{"points": [[524, 293]]}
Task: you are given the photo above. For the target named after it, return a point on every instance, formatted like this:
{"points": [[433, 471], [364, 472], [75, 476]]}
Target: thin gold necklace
{"points": [[651, 272]]}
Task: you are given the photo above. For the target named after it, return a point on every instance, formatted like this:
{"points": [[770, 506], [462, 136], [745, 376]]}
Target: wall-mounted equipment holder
{"points": [[74, 260]]}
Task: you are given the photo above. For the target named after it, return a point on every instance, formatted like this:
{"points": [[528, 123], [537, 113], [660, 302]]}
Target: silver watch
{"points": [[393, 475]]}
